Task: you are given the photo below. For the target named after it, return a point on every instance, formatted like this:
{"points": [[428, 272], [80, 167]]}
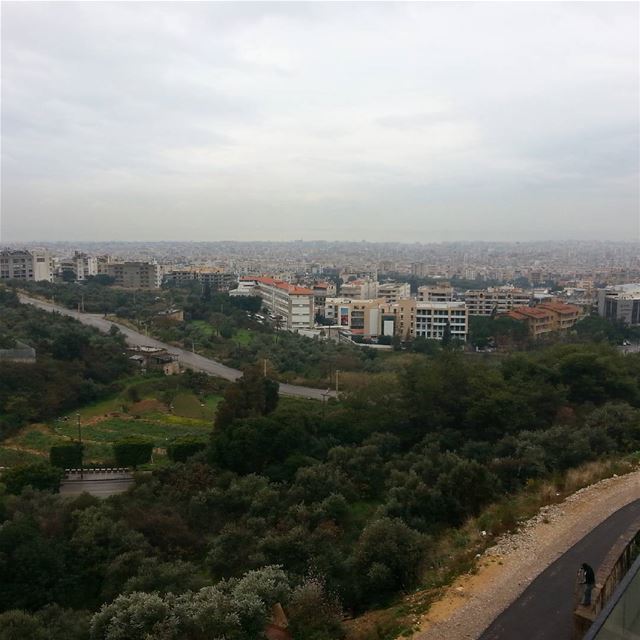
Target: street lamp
{"points": [[80, 444]]}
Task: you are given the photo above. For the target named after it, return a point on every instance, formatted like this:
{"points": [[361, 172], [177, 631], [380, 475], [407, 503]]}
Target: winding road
{"points": [[544, 610], [186, 358]]}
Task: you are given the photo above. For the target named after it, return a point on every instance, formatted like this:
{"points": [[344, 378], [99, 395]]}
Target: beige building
{"points": [[484, 302], [547, 317], [81, 265], [435, 293], [135, 275], [359, 290], [412, 319], [392, 292], [362, 317], [34, 265], [217, 279]]}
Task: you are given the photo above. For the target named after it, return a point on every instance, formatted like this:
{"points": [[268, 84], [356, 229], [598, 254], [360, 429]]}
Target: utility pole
{"points": [[264, 363], [80, 441], [82, 298], [337, 382]]}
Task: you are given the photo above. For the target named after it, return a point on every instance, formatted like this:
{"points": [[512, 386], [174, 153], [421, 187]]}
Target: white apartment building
{"points": [[289, 302], [135, 275], [81, 265], [26, 265], [435, 293], [484, 302], [391, 292], [431, 319]]}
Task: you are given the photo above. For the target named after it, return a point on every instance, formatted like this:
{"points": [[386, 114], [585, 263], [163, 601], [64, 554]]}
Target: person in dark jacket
{"points": [[589, 581]]}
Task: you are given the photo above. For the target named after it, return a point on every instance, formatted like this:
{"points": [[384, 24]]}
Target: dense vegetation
{"points": [[75, 364], [316, 507]]}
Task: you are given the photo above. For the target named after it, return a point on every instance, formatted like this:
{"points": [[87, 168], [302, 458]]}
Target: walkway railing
{"points": [[610, 573]]}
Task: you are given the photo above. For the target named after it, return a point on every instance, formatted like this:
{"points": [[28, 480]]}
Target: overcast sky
{"points": [[242, 121]]}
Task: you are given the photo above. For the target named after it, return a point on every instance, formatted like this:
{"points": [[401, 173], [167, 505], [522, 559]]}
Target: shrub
{"points": [[66, 456], [39, 475], [182, 448], [132, 451]]}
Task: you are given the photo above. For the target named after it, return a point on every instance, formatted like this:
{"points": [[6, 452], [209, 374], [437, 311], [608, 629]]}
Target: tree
{"points": [[446, 335], [39, 475], [253, 394], [132, 451], [66, 456], [387, 557]]}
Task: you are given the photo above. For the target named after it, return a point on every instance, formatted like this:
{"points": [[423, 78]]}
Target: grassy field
{"points": [[105, 422]]}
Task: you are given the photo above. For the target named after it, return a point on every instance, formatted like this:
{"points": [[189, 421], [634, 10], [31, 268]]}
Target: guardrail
{"points": [[94, 470], [610, 573]]}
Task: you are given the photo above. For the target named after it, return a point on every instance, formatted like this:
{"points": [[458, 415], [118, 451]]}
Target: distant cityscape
{"points": [[369, 291]]}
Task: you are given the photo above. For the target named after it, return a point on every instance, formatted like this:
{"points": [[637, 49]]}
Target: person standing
{"points": [[589, 581]]}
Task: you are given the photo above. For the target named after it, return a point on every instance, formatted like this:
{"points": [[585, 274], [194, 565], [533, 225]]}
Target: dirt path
{"points": [[505, 570]]}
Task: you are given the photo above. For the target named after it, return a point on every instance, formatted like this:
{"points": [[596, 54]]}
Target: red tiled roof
{"points": [[559, 307]]}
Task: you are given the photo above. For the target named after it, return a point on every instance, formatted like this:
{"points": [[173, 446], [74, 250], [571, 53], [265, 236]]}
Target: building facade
{"points": [[435, 293], [135, 275], [36, 265], [485, 302], [392, 292], [291, 304], [620, 303]]}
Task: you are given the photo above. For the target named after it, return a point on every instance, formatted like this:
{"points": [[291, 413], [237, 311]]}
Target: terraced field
{"points": [[108, 421]]}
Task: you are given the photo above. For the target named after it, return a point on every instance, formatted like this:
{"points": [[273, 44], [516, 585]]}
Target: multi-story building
{"points": [[26, 265], [135, 275], [432, 319], [322, 291], [398, 318], [360, 289], [288, 302], [392, 292], [485, 302], [620, 303], [411, 319], [547, 317], [362, 317], [81, 265], [217, 279], [435, 293]]}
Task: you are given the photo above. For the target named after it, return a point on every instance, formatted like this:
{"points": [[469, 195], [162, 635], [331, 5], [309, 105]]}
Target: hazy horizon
{"points": [[382, 122]]}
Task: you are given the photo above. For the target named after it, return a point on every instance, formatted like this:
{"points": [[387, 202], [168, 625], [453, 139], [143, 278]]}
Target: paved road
{"points": [[186, 358], [101, 488], [543, 611]]}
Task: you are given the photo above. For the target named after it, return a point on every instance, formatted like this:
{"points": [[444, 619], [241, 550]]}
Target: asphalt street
{"points": [[544, 610], [185, 357], [100, 487]]}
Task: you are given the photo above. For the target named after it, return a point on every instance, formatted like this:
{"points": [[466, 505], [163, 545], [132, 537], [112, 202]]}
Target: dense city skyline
{"points": [[399, 121]]}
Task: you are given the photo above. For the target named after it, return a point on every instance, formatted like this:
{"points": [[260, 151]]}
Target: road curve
{"points": [[543, 611], [186, 358]]}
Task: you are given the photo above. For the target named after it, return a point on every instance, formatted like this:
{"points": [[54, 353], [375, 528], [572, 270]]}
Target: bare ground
{"points": [[472, 602]]}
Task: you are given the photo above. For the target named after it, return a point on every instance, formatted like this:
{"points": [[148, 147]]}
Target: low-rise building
{"points": [[547, 317], [620, 303], [485, 302]]}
